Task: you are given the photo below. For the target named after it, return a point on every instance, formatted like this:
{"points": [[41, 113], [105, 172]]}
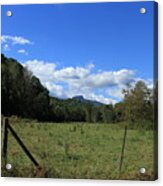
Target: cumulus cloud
{"points": [[55, 90], [110, 78], [71, 73], [100, 98], [116, 92], [22, 51], [71, 81], [43, 70], [15, 40]]}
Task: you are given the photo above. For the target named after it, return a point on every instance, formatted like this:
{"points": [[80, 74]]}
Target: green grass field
{"points": [[80, 150]]}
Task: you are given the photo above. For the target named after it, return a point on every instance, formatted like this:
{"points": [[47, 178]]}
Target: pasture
{"points": [[80, 151]]}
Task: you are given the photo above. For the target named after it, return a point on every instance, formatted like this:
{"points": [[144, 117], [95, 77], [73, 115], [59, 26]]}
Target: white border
{"points": [[60, 182]]}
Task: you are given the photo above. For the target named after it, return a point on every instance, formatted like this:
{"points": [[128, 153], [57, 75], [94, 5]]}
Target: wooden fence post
{"points": [[5, 140], [27, 152], [122, 152]]}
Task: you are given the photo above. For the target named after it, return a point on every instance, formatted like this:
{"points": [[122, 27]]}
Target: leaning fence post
{"points": [[27, 152], [5, 140], [122, 152]]}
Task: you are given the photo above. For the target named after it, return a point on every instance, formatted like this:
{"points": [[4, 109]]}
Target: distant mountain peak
{"points": [[82, 99], [78, 97]]}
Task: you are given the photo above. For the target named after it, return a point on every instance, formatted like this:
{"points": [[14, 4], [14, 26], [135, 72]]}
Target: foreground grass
{"points": [[80, 150]]}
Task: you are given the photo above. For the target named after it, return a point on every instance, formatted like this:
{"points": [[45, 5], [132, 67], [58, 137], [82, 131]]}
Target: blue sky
{"points": [[88, 49]]}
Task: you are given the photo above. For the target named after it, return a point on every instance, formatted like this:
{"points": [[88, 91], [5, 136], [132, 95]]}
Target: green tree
{"points": [[88, 113], [119, 112], [138, 102], [108, 114], [22, 93]]}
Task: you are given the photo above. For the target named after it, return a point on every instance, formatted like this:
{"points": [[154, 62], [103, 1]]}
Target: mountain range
{"points": [[83, 100]]}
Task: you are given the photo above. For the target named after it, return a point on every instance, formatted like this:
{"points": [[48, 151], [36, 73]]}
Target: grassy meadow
{"points": [[80, 151]]}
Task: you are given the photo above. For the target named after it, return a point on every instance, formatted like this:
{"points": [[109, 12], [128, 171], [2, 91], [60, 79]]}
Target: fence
{"points": [[7, 128]]}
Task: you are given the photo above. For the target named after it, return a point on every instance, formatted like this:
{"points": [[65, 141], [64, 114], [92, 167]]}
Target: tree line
{"points": [[23, 95]]}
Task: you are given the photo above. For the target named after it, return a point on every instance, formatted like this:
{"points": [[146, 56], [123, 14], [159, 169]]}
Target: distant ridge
{"points": [[82, 99]]}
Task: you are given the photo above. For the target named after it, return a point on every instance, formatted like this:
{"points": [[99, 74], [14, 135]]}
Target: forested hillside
{"points": [[24, 95]]}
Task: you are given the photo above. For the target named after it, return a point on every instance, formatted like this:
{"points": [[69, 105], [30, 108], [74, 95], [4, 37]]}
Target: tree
{"points": [[22, 93], [107, 114], [88, 113], [119, 113], [138, 102]]}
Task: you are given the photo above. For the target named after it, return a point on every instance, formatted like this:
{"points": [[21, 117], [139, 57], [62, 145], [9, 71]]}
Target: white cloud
{"points": [[9, 41], [110, 78], [116, 92], [22, 51], [55, 90], [71, 73], [15, 40], [43, 70], [72, 81], [100, 98]]}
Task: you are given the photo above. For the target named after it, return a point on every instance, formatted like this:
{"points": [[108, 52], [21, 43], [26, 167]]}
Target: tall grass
{"points": [[80, 150]]}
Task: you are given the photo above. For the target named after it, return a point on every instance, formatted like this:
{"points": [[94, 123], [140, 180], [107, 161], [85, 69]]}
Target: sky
{"points": [[86, 49]]}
